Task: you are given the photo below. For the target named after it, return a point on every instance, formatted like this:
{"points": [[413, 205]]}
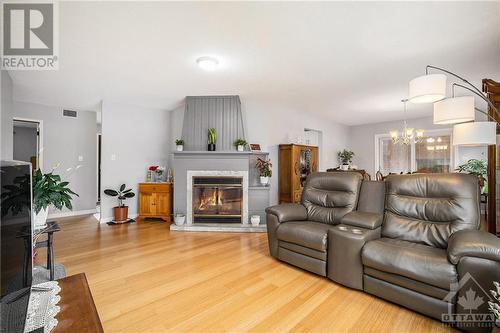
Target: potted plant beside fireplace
{"points": [[240, 144], [120, 211], [212, 137], [265, 171]]}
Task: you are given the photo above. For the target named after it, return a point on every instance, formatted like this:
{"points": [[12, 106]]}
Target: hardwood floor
{"points": [[145, 278]]}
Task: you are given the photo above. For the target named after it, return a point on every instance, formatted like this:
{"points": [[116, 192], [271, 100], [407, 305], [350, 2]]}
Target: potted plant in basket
{"points": [[179, 144], [477, 168], [240, 144], [345, 156], [212, 137], [121, 211], [265, 171]]}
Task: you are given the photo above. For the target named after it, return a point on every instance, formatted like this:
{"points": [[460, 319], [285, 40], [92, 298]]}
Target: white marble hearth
{"points": [[219, 227]]}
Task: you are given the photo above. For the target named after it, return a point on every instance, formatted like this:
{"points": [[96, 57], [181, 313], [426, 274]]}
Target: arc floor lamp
{"points": [[459, 111]]}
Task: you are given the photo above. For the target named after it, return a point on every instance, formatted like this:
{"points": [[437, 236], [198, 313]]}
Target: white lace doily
{"points": [[43, 308]]}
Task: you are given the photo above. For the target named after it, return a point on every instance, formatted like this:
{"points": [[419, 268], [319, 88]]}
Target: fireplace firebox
{"points": [[217, 199]]}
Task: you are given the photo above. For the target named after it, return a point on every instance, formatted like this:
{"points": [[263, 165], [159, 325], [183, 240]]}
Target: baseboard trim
{"points": [[70, 214], [109, 219]]}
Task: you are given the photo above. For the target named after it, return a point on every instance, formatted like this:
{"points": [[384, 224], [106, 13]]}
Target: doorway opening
{"points": [[27, 141]]}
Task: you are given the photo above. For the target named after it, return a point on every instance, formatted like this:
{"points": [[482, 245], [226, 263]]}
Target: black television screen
{"points": [[16, 244]]}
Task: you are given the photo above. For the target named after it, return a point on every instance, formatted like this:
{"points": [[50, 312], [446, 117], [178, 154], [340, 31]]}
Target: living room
{"points": [[251, 166]]}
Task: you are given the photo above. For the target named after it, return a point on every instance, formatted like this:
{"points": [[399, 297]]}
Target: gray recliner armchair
{"points": [[412, 240]]}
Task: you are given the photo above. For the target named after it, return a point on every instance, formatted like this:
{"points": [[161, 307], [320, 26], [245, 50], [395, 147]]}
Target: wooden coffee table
{"points": [[78, 312]]}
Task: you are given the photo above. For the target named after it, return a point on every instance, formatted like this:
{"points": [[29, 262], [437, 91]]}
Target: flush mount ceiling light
{"points": [[207, 63]]}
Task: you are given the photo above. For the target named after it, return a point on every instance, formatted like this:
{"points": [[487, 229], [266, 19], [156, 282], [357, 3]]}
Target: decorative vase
{"points": [[240, 148], [41, 218], [149, 176], [255, 220], [120, 214], [344, 167], [179, 219], [211, 147], [264, 180], [180, 147]]}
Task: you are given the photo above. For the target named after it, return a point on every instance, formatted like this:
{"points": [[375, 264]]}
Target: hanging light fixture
{"points": [[455, 110], [408, 135]]}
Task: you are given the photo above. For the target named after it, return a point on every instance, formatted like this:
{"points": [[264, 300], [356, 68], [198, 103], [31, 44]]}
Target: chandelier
{"points": [[408, 135]]}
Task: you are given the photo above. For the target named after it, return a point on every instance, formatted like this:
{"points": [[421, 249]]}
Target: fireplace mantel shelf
{"points": [[212, 153]]}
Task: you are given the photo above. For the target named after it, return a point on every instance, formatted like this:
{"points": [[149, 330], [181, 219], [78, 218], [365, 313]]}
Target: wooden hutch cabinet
{"points": [[155, 200], [296, 162]]}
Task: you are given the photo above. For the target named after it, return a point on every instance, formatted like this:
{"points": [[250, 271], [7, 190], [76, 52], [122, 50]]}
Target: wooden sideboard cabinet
{"points": [[155, 200], [296, 162]]}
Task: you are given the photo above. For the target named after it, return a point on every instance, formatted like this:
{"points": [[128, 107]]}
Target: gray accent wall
{"points": [[220, 112]]}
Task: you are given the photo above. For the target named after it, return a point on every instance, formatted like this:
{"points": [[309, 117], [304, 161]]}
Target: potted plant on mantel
{"points": [[48, 189], [212, 137], [345, 156], [179, 144], [265, 171], [120, 212], [240, 144]]}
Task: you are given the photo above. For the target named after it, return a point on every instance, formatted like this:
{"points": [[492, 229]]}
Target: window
{"points": [[432, 154]]}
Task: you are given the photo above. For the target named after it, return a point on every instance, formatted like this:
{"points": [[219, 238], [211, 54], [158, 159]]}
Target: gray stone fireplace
{"points": [[216, 207]]}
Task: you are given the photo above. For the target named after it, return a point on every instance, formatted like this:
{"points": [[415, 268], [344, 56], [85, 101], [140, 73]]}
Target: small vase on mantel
{"points": [[264, 180]]}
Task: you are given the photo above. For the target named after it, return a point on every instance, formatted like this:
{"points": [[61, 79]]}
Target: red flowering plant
{"points": [[153, 168]]}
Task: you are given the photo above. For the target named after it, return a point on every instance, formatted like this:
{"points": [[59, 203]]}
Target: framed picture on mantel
{"points": [[254, 147]]}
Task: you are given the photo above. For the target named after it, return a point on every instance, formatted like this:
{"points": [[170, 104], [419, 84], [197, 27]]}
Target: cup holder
{"points": [[356, 231], [343, 228]]}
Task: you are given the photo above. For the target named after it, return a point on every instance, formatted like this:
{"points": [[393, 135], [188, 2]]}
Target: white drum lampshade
{"points": [[454, 110], [427, 88], [479, 133]]}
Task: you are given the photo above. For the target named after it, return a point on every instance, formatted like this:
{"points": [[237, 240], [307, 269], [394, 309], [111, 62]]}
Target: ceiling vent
{"points": [[69, 113]]}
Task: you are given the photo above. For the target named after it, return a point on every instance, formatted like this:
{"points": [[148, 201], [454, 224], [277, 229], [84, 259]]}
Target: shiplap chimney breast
{"points": [[220, 112]]}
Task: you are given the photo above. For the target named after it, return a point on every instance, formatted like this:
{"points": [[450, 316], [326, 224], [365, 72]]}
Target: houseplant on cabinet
{"points": [[179, 144], [48, 189], [212, 137], [477, 168], [240, 144], [265, 171], [121, 211], [345, 157]]}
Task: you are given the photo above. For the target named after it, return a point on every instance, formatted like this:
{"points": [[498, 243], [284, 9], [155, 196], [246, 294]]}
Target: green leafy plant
{"points": [[212, 136], [345, 156], [48, 189], [122, 194], [475, 167], [179, 142], [264, 167], [240, 142]]}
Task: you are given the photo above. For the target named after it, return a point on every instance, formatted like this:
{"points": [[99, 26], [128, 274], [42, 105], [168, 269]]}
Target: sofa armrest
{"points": [[363, 219], [288, 212], [473, 243]]}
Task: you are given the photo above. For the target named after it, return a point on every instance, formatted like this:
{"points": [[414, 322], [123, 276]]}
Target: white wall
{"points": [[133, 138], [64, 140], [270, 125], [6, 109], [362, 142]]}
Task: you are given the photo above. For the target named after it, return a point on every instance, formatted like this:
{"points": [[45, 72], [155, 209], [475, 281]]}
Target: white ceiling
{"points": [[350, 61]]}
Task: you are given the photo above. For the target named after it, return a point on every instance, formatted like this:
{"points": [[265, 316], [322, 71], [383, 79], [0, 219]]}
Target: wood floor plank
{"points": [[145, 278]]}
